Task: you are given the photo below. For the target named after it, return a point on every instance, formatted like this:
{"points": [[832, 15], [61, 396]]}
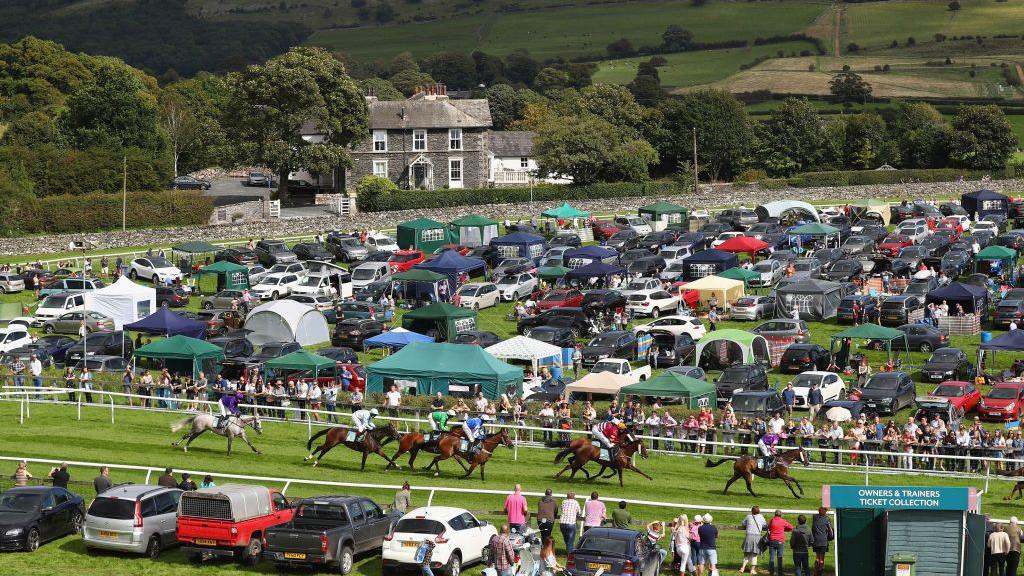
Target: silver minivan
{"points": [[135, 518], [11, 283], [369, 272]]}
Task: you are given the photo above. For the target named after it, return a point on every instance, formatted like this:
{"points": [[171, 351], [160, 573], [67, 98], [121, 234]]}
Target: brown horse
{"points": [[413, 442], [583, 451], [746, 467], [1018, 487], [370, 443], [450, 446]]}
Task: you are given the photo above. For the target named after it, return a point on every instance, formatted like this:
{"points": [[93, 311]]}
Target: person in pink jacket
{"points": [[777, 528], [516, 509]]}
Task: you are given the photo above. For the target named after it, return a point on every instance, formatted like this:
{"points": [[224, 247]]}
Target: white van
{"points": [[369, 272], [55, 305]]}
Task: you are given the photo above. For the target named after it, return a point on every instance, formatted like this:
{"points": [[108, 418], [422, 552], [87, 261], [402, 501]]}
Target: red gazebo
{"points": [[745, 244]]}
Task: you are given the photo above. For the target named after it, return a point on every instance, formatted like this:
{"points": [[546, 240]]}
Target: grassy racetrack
{"points": [[143, 439]]}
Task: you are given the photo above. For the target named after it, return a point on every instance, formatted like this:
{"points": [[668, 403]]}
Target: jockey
{"points": [[228, 407], [607, 433], [472, 427], [439, 420], [767, 445], [363, 420]]}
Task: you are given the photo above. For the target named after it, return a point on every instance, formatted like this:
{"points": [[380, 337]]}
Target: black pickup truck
{"points": [[329, 530]]}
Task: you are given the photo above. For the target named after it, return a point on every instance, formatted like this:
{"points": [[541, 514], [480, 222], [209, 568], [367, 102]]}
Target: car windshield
{"points": [[845, 266], [555, 296], [599, 545], [944, 355], [160, 263], [747, 403], [1003, 393], [363, 273], [604, 340], [542, 335], [19, 502], [949, 390], [509, 280], [895, 239], [881, 383], [272, 280], [54, 302], [745, 302], [112, 508], [763, 267], [803, 266], [311, 281], [468, 290], [419, 526], [404, 257], [621, 236], [603, 366], [806, 380]]}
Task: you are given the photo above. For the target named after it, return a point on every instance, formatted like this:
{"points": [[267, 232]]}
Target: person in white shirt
{"points": [[35, 367], [394, 398], [1013, 324], [480, 403], [776, 424], [653, 424], [315, 395], [363, 419]]}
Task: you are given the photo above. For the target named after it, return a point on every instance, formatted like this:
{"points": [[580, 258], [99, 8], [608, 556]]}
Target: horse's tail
{"points": [[710, 464], [181, 424], [562, 454], [309, 445], [1013, 473]]}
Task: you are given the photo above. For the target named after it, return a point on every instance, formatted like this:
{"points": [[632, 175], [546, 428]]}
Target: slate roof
{"points": [[421, 112], [510, 143]]}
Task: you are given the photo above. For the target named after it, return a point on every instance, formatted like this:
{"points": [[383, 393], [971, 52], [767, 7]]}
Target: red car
{"points": [[229, 520], [690, 297], [561, 299], [963, 395], [893, 243], [405, 259], [604, 230], [953, 223], [1002, 403]]}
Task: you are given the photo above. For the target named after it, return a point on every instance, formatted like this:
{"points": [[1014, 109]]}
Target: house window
{"points": [[455, 172], [455, 139], [419, 140], [380, 140], [380, 168], [524, 162]]}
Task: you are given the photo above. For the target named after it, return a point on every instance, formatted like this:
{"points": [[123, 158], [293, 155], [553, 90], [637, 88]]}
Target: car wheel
{"points": [[252, 553], [926, 347], [345, 560], [48, 329], [32, 540], [133, 274], [154, 548], [655, 313], [274, 296], [195, 558], [174, 186], [454, 567], [207, 305], [476, 306], [842, 394], [77, 521], [155, 279]]}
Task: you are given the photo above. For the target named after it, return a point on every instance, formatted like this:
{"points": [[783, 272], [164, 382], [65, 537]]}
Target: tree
{"points": [[983, 138], [273, 100], [612, 102], [15, 195], [621, 48], [115, 109], [550, 80], [506, 104], [850, 86], [722, 127], [488, 68], [384, 13], [866, 143], [381, 88], [454, 69], [590, 149], [676, 39], [406, 81], [521, 67], [953, 6], [205, 98], [792, 139], [401, 62]]}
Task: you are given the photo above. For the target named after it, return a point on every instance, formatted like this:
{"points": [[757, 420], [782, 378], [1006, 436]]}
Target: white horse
{"points": [[208, 422]]}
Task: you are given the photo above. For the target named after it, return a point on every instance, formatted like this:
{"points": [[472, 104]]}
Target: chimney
{"points": [[403, 113]]}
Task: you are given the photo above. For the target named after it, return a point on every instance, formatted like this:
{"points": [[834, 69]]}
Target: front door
{"points": [[421, 176]]}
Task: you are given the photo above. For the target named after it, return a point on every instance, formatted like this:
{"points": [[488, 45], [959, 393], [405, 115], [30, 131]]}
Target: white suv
{"points": [[653, 303], [274, 286], [459, 539]]}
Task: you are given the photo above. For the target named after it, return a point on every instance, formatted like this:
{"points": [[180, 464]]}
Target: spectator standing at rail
{"points": [[102, 482], [516, 509], [777, 528], [821, 534], [753, 525], [594, 512], [403, 499], [60, 476], [568, 516], [800, 542], [546, 512], [167, 480], [708, 546]]}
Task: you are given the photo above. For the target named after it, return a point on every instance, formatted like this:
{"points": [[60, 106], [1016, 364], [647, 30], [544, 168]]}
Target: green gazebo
{"points": [[302, 361], [739, 273], [441, 320], [473, 230], [693, 393], [664, 211], [182, 353], [565, 212], [421, 234], [865, 332], [230, 276]]}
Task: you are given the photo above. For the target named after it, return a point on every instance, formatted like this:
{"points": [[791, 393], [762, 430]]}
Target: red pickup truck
{"points": [[229, 521]]}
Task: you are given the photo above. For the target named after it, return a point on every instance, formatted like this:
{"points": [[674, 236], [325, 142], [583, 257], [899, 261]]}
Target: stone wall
{"points": [[239, 213], [711, 196]]}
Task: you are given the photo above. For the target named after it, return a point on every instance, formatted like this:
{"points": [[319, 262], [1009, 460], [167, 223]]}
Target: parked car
{"points": [[71, 322], [740, 377], [459, 536], [602, 300], [271, 350], [947, 364], [762, 229], [346, 248], [963, 395], [804, 357], [159, 270], [753, 308], [830, 384], [680, 324], [653, 303], [611, 344], [560, 299], [270, 252], [14, 336], [1009, 311], [931, 407], [50, 349], [274, 286], [757, 403], [136, 518], [654, 241], [672, 349], [796, 329], [403, 260], [896, 310], [189, 183], [845, 271], [219, 321], [635, 223], [312, 251], [57, 305], [566, 239], [331, 531], [738, 218], [893, 243], [241, 256], [573, 318], [357, 310], [229, 521], [674, 254], [923, 337], [11, 283], [807, 268], [649, 266], [1003, 403], [479, 338], [557, 335], [868, 307], [639, 284], [613, 552], [517, 286], [171, 296], [623, 240], [858, 245], [888, 392], [920, 287], [352, 332], [769, 273], [33, 515], [695, 372], [478, 295], [72, 285], [604, 229], [381, 243], [237, 346]]}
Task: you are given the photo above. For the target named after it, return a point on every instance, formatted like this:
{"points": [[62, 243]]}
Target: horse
{"points": [[208, 423], [450, 446], [583, 451], [370, 443], [746, 467], [1018, 487], [413, 442]]}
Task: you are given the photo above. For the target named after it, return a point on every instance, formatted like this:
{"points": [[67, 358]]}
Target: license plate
{"points": [[206, 542], [106, 534], [294, 556], [605, 567], [410, 544]]}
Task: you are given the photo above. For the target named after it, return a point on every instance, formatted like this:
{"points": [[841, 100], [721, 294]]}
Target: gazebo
{"points": [[524, 349], [473, 230], [422, 234], [190, 250], [996, 258], [865, 332], [421, 284], [661, 214], [598, 270], [725, 290], [743, 245], [1012, 341], [552, 272], [302, 361], [168, 323], [429, 367], [565, 212], [443, 319], [694, 394], [395, 339], [230, 276], [815, 230], [586, 254], [981, 203], [183, 353], [739, 273]]}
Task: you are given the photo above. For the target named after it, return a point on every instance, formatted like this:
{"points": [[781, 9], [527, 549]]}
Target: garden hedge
{"points": [[864, 177], [96, 211]]}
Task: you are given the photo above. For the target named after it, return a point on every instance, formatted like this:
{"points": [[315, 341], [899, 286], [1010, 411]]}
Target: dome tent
{"points": [[123, 301], [740, 347], [286, 321]]}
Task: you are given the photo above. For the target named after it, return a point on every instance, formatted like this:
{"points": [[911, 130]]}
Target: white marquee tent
{"points": [[124, 301], [524, 348], [599, 383], [286, 321]]}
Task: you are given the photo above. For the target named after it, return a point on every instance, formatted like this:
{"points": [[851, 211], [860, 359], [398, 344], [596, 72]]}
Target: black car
{"points": [[565, 239], [648, 266], [937, 245], [952, 209], [632, 255], [189, 183], [762, 229], [673, 349], [1009, 311], [373, 291], [342, 354], [856, 245], [876, 232], [611, 344], [615, 552], [868, 308], [828, 257], [1013, 239], [955, 262], [271, 350], [32, 515], [845, 270], [948, 364], [757, 403], [655, 240], [696, 241], [115, 343], [804, 358], [623, 240], [479, 338], [303, 187], [487, 253], [312, 251], [712, 230], [602, 300], [921, 287], [909, 259], [241, 256], [888, 392], [234, 346], [740, 377], [172, 296], [353, 310], [51, 349], [352, 332], [923, 337], [573, 318], [897, 310], [556, 335]]}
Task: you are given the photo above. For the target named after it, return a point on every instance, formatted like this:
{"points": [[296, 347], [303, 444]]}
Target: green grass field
{"points": [[877, 24], [568, 32]]}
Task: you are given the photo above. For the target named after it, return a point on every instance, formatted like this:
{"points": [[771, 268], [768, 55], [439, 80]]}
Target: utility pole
{"points": [[124, 195], [695, 183]]}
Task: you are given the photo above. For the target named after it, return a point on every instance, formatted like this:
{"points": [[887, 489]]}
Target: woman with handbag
{"points": [[753, 526]]}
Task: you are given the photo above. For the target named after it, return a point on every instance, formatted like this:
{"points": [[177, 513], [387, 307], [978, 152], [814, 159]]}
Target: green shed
{"points": [[426, 368], [440, 320], [421, 234], [693, 393]]}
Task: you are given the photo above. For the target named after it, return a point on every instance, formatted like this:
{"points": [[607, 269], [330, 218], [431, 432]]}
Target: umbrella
{"points": [[838, 414]]}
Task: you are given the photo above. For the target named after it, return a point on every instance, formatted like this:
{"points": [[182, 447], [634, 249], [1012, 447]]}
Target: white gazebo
{"points": [[123, 301], [525, 349]]}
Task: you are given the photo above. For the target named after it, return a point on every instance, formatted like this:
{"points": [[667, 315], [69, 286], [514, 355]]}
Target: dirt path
{"points": [[837, 22]]}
